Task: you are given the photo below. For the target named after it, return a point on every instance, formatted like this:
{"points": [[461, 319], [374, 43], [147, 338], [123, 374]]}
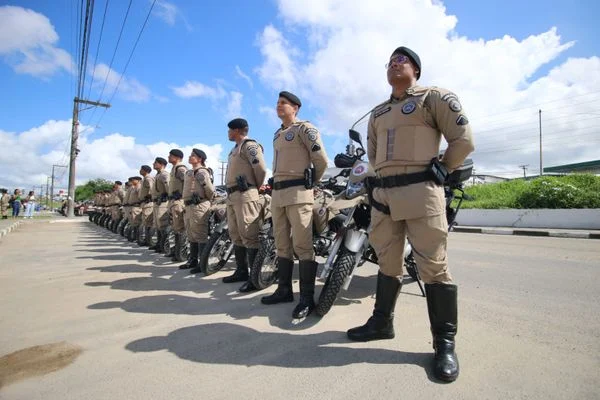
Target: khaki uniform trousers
{"points": [[147, 217], [176, 208], [160, 215], [136, 216], [243, 220], [427, 235], [115, 213], [196, 222], [293, 231]]}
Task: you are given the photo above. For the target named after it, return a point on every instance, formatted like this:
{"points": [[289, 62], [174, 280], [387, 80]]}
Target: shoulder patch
{"points": [[315, 147], [462, 120], [255, 161], [312, 134]]}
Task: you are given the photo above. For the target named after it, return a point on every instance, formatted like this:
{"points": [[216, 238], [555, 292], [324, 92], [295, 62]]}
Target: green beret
{"points": [[238, 123], [414, 57], [291, 97]]}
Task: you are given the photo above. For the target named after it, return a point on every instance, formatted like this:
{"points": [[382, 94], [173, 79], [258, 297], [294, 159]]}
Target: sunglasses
{"points": [[399, 59]]}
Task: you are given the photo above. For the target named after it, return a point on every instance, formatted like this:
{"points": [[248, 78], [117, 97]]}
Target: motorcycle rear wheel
{"points": [[216, 252]]}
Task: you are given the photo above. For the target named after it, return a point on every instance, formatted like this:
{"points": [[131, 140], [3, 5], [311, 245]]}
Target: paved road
{"points": [[116, 322]]}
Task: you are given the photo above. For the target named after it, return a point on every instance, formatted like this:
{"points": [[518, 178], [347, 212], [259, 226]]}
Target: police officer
{"points": [[114, 202], [135, 203], [246, 171], [198, 192], [161, 198], [127, 201], [404, 137], [299, 161], [147, 202], [176, 205]]}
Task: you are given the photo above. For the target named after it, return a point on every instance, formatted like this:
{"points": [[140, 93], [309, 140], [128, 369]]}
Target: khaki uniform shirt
{"points": [[198, 181], [176, 179], [146, 189], [161, 184], [297, 148], [404, 135], [246, 159]]}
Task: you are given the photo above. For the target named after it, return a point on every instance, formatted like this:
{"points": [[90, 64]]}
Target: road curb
{"points": [[528, 232], [5, 231]]}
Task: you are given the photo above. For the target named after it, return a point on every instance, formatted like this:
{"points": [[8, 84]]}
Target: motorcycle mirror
{"points": [[360, 152], [356, 136], [345, 172]]}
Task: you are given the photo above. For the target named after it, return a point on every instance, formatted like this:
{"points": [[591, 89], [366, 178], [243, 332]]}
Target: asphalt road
{"points": [[86, 315]]}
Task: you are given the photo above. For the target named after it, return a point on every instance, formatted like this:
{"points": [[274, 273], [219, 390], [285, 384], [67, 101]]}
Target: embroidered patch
{"points": [[321, 211], [379, 113], [313, 134], [253, 151], [315, 147], [359, 170], [454, 105], [449, 96], [462, 120], [255, 161], [289, 136], [409, 107]]}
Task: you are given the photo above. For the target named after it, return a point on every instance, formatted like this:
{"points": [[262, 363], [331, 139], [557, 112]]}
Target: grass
{"points": [[569, 191]]}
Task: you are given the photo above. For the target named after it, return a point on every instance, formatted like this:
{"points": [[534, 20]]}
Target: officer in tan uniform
{"points": [[404, 137], [147, 202], [127, 201], [161, 199], [198, 192], [136, 205], [115, 201], [246, 171], [299, 162], [176, 205]]}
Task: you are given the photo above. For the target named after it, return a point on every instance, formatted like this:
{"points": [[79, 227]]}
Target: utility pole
{"points": [[52, 185], [75, 151], [524, 169], [541, 164], [47, 191]]}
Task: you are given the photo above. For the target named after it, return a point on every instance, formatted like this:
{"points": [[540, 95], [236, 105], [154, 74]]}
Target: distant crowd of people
{"points": [[17, 202]]}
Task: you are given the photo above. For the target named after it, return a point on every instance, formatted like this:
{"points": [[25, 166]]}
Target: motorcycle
{"points": [[351, 248], [263, 273]]}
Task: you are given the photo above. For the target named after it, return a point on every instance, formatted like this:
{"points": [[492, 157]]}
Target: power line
{"points": [[98, 47]]}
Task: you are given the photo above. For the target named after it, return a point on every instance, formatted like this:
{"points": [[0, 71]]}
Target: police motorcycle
{"points": [[263, 273], [219, 247], [352, 248]]}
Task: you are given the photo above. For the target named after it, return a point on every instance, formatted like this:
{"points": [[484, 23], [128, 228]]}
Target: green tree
{"points": [[87, 191]]}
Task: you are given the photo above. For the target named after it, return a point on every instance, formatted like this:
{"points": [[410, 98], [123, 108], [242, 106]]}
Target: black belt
{"points": [[399, 180], [236, 188], [192, 202], [288, 184], [175, 196]]}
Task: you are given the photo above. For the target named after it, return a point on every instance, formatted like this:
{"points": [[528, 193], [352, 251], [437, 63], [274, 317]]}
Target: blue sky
{"points": [[215, 43]]}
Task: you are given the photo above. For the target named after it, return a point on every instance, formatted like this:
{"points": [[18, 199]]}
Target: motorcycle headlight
{"points": [[354, 189]]}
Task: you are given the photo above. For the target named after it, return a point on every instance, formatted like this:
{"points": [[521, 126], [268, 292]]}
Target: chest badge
{"points": [[289, 136], [409, 107]]}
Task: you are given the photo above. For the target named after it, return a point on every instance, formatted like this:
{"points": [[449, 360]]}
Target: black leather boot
{"points": [[177, 247], [241, 270], [248, 287], [198, 268], [308, 273], [381, 323], [160, 236], [147, 236], [443, 315], [284, 293], [192, 261], [149, 240]]}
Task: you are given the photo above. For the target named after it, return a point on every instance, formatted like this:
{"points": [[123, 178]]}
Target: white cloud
{"points": [[114, 156], [271, 114], [129, 88], [28, 43], [222, 100], [170, 13], [196, 89], [234, 106], [341, 75], [242, 75]]}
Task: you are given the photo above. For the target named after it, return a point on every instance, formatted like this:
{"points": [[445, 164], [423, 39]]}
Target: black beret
{"points": [[414, 57], [291, 97], [136, 178], [130, 178], [118, 183], [238, 123], [146, 168], [161, 160], [176, 153], [199, 153]]}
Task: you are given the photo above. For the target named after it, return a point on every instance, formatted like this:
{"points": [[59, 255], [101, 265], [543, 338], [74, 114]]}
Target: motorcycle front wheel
{"points": [[263, 273], [341, 269], [216, 252]]}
